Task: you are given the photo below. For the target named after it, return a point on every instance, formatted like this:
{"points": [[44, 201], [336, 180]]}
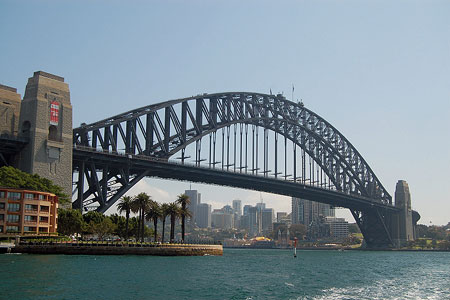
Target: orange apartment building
{"points": [[25, 212]]}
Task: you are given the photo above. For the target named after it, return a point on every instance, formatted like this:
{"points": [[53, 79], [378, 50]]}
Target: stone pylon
{"points": [[46, 120], [403, 227]]}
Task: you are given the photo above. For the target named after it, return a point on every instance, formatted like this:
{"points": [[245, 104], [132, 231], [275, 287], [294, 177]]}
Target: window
{"points": [[1, 228], [2, 205], [43, 219], [12, 228], [53, 133], [13, 218], [41, 197], [44, 208], [29, 228], [29, 196], [2, 194], [2, 217], [14, 195], [31, 207], [13, 206], [30, 218], [43, 229], [26, 128]]}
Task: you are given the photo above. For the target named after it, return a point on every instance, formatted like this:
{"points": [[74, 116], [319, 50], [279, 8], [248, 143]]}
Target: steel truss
{"points": [[228, 123]]}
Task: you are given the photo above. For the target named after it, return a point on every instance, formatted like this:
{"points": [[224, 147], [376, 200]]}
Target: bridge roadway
{"points": [[162, 168]]}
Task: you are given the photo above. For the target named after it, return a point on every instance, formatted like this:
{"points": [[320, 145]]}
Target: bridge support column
{"points": [[374, 225], [402, 225], [46, 119]]}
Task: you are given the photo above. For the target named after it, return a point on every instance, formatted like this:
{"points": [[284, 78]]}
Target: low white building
{"points": [[338, 227]]}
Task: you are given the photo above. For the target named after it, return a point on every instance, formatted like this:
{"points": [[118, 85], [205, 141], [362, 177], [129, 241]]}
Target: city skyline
{"points": [[383, 83]]}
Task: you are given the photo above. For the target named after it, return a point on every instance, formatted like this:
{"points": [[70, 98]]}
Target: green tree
{"points": [[125, 206], [91, 220], [93, 217], [70, 221], [102, 228], [184, 201], [154, 213], [422, 243], [279, 228], [164, 213], [444, 245], [353, 228], [298, 231], [174, 212], [119, 224], [133, 227], [14, 178]]}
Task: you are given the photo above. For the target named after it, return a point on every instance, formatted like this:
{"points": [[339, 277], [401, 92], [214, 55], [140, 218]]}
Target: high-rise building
{"points": [[297, 211], [237, 211], [228, 209], [307, 212], [260, 206], [280, 216], [326, 210], [194, 197], [252, 215], [267, 216], [237, 207], [246, 209], [204, 215], [221, 219]]}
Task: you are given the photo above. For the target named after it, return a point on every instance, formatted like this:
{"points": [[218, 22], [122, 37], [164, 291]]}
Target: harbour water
{"points": [[238, 274]]}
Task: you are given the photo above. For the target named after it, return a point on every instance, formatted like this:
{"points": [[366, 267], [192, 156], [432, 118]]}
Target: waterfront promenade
{"points": [[113, 248]]}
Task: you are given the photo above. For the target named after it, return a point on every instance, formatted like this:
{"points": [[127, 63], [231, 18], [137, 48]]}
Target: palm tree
{"points": [[174, 212], [141, 204], [184, 200], [135, 208], [164, 213], [125, 206], [154, 213]]}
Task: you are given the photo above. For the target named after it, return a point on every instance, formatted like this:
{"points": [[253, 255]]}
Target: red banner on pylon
{"points": [[54, 113]]}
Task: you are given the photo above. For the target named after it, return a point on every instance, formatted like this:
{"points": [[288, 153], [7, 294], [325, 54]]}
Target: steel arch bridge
{"points": [[253, 141]]}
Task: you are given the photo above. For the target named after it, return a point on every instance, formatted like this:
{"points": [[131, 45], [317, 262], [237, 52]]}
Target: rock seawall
{"points": [[121, 249]]}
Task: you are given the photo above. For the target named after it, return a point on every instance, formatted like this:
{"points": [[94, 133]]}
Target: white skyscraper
{"points": [[237, 207], [194, 197]]}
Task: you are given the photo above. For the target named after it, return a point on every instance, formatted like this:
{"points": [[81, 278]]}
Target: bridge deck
{"points": [[172, 170]]}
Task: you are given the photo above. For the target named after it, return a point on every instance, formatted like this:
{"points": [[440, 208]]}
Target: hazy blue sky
{"points": [[379, 71]]}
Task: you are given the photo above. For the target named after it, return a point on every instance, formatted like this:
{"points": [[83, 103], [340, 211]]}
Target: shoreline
{"points": [[116, 249]]}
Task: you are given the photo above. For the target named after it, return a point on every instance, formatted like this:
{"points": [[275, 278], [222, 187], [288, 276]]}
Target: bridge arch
{"points": [[163, 130]]}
